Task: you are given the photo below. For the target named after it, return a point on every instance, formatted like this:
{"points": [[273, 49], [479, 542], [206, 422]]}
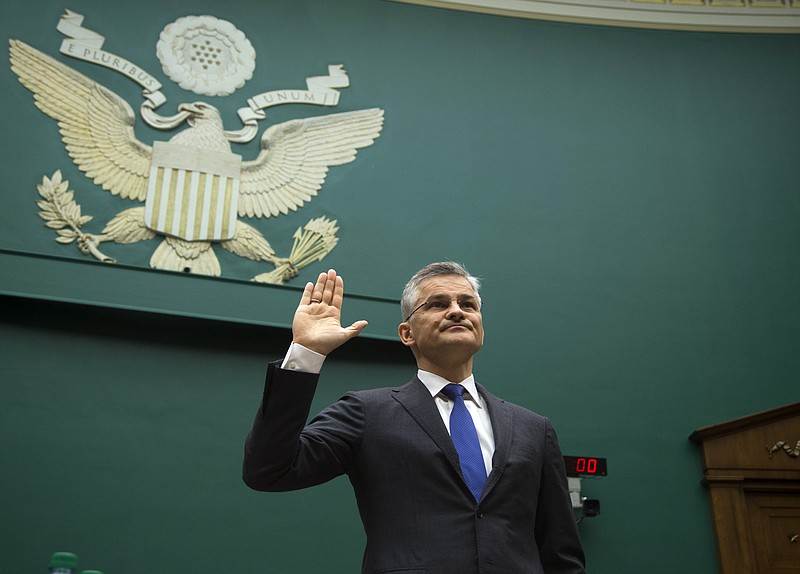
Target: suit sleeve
{"points": [[282, 452], [556, 529]]}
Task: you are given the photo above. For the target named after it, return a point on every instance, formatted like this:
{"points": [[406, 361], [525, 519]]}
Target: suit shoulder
{"points": [[525, 416], [517, 410], [527, 412], [370, 395], [383, 391]]}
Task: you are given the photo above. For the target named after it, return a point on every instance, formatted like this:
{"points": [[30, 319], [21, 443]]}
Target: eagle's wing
{"points": [[295, 157], [95, 123]]}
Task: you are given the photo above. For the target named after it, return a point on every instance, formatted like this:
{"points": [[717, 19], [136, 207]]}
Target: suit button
{"points": [[480, 515]]}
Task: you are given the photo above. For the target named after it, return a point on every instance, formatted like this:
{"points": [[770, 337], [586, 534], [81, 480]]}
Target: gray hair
{"points": [[411, 291]]}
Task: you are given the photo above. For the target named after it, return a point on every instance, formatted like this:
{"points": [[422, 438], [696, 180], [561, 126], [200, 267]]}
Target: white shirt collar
{"points": [[435, 384]]}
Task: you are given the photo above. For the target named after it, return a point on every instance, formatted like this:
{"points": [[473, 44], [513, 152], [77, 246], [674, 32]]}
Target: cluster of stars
{"points": [[206, 54]]}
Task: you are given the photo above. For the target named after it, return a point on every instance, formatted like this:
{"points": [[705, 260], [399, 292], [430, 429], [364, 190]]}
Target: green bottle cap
{"points": [[64, 560]]}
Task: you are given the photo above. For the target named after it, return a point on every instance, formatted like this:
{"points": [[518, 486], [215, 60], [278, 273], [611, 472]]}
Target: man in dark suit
{"points": [[449, 479]]}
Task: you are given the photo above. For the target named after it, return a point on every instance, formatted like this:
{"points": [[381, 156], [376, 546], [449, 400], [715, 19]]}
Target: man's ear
{"points": [[404, 331]]}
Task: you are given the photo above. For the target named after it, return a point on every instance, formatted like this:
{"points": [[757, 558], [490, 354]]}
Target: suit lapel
{"points": [[418, 402], [416, 399], [502, 424]]}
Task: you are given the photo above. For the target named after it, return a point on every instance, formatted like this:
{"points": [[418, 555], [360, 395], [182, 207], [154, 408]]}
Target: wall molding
{"points": [[743, 16], [87, 282]]}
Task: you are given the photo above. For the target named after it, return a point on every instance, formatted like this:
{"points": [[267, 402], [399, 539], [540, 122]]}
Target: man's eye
{"points": [[437, 305], [471, 305]]}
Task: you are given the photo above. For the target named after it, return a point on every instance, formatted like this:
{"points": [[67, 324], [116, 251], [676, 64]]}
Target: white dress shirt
{"points": [[300, 358], [475, 405]]}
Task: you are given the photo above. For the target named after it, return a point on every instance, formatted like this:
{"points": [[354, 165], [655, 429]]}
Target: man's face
{"points": [[447, 319]]}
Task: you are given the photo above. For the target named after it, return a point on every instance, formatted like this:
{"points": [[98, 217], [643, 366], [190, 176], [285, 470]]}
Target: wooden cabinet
{"points": [[751, 467]]}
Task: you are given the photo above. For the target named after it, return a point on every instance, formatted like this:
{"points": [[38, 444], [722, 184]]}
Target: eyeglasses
{"points": [[466, 304]]}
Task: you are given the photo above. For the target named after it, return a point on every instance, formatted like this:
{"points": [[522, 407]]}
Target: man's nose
{"points": [[455, 310]]}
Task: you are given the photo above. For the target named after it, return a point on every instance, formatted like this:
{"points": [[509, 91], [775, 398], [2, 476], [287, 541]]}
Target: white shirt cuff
{"points": [[300, 358]]}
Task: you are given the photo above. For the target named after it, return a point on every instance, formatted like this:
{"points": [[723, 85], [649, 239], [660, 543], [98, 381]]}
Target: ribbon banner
{"points": [[84, 44], [320, 92]]}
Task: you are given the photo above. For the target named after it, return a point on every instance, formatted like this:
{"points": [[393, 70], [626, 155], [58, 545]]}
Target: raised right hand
{"points": [[317, 321]]}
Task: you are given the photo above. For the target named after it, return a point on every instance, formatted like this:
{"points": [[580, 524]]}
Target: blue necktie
{"points": [[465, 439]]}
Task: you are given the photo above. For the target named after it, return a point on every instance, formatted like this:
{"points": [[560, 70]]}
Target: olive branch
{"points": [[63, 214]]}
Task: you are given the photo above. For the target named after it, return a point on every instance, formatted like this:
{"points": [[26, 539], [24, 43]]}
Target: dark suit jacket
{"points": [[418, 514]]}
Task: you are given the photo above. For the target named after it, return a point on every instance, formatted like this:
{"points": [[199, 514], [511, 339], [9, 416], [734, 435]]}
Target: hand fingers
{"points": [[305, 299], [337, 296], [357, 327], [328, 289], [317, 293], [331, 281]]}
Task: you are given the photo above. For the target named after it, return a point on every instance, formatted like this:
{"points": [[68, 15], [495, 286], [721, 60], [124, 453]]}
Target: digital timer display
{"points": [[585, 466]]}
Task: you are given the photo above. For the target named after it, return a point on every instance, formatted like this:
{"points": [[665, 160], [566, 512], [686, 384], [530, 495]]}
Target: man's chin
{"points": [[460, 337]]}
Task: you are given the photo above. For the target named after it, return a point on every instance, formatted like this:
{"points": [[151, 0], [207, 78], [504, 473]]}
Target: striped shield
{"points": [[192, 192]]}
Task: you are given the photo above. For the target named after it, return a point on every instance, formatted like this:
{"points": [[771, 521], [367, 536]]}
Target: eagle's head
{"points": [[200, 112], [205, 127]]}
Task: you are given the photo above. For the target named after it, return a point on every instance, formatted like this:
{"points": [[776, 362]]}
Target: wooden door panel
{"points": [[775, 528]]}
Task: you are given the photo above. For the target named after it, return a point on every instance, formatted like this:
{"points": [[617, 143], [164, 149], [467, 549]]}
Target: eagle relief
{"points": [[195, 190]]}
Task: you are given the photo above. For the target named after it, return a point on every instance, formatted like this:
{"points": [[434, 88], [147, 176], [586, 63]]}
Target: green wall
{"points": [[122, 441], [630, 198]]}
